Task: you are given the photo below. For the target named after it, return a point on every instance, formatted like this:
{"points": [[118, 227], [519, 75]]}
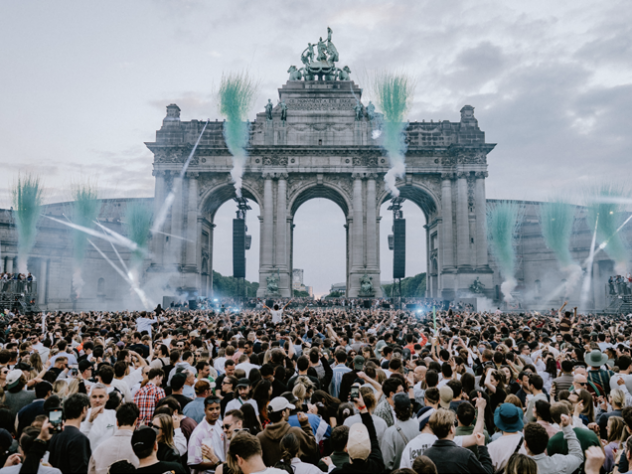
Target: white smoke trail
{"points": [[507, 287], [177, 183], [237, 172], [397, 170], [77, 282]]}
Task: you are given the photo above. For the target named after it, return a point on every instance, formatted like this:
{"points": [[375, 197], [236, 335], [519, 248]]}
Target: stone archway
{"points": [[319, 141]]}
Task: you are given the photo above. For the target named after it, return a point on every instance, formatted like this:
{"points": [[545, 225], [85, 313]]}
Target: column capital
{"points": [[158, 173], [267, 175], [481, 174], [357, 175], [192, 175], [447, 176], [462, 174], [282, 175]]}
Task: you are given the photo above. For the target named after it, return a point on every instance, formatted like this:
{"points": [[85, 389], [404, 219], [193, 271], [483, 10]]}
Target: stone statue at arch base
{"points": [[366, 287], [272, 283]]}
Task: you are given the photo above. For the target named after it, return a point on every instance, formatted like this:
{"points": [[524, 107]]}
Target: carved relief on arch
{"points": [[472, 158]]}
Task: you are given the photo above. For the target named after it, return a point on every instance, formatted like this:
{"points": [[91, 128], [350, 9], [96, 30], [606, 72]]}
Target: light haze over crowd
{"points": [[84, 84]]}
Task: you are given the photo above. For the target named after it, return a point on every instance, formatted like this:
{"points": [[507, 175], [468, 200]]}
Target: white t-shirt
{"points": [[418, 445], [379, 424], [501, 450], [236, 403], [277, 316]]}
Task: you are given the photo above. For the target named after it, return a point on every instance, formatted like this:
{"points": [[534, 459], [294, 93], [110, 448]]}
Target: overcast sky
{"points": [[84, 84]]}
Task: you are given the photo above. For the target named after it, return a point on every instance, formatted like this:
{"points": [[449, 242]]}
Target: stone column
{"points": [[462, 221], [41, 282], [9, 265], [372, 234], [446, 220], [281, 236], [357, 237], [192, 222], [371, 224], [267, 235], [175, 245], [158, 240], [210, 259], [481, 220]]}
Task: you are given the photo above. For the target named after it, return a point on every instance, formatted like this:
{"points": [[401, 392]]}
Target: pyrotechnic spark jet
{"points": [[115, 238], [141, 294], [589, 263], [175, 236], [164, 210]]}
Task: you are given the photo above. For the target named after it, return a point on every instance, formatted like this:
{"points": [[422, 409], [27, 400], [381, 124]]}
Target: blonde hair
{"points": [[441, 422], [73, 387], [166, 429], [616, 430], [369, 398], [514, 400], [302, 387], [60, 388], [618, 397], [521, 464]]}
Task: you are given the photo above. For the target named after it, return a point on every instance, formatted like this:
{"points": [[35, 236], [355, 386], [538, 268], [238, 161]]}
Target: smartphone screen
{"points": [[55, 418], [355, 392]]}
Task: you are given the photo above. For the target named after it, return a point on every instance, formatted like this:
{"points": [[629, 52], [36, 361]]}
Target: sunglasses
{"points": [[227, 427]]}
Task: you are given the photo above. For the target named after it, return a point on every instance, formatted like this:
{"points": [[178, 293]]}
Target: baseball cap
{"points": [[13, 378], [243, 382], [143, 439], [279, 404], [358, 362], [359, 444], [445, 394], [401, 401]]}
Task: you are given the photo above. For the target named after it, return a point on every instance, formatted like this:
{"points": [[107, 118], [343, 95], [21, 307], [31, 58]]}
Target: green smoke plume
{"points": [[503, 218], [27, 207], [556, 220], [236, 94], [394, 95], [138, 218], [606, 211], [86, 210]]}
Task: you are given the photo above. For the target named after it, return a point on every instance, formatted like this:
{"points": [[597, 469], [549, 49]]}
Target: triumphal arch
{"points": [[321, 140]]}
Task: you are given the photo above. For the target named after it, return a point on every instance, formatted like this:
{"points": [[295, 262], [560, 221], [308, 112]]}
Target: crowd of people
{"points": [[16, 282], [620, 285], [311, 390]]}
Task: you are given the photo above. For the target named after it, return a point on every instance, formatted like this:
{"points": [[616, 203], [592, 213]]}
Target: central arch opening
{"points": [[319, 240], [319, 246], [216, 267], [419, 209]]}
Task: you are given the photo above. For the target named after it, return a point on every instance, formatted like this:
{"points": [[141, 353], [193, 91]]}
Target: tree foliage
{"points": [[411, 287], [227, 286]]}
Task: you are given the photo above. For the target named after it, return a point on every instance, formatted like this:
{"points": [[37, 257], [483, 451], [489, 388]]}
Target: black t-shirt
{"points": [[163, 467], [182, 400]]}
